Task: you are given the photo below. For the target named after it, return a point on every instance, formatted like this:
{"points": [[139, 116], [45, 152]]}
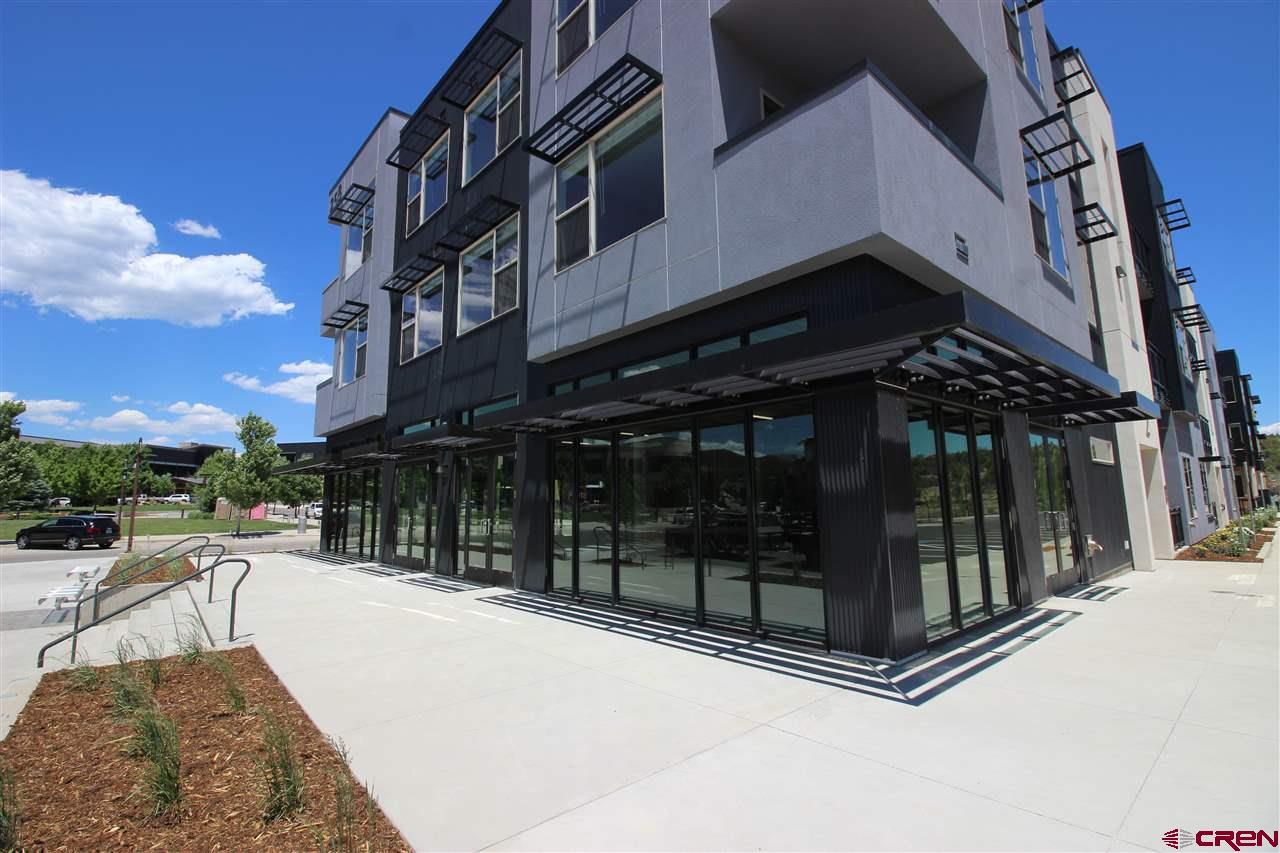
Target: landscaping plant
{"points": [[83, 678], [155, 738], [191, 646], [10, 817], [235, 693], [281, 771], [151, 662]]}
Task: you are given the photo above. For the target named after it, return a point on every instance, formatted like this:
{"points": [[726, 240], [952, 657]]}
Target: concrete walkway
{"points": [[1146, 705]]}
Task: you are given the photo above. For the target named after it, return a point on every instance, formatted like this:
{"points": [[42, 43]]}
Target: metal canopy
{"points": [[1025, 5], [345, 313], [623, 84], [1185, 276], [1093, 224], [1071, 78], [1191, 317], [446, 436], [1212, 459], [958, 345], [1174, 213], [314, 465], [345, 204], [480, 65], [410, 273], [1255, 399], [416, 138], [1057, 145], [1129, 406], [482, 218], [370, 452]]}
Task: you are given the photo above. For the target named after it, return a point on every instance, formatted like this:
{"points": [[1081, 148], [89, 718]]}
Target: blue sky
{"points": [[239, 118]]}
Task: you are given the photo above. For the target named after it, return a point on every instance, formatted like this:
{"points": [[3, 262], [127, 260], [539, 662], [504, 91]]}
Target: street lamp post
{"points": [[133, 510]]}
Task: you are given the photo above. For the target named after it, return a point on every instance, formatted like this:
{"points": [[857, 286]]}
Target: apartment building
{"points": [[747, 314], [1246, 457], [1200, 491]]}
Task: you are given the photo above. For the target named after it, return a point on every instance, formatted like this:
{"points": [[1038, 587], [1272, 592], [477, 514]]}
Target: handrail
{"points": [[146, 557], [231, 628], [198, 550]]}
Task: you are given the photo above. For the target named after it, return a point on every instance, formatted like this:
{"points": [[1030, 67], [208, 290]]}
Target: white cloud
{"points": [[192, 418], [300, 387], [119, 398], [1270, 429], [159, 439], [196, 229], [52, 412], [93, 256]]}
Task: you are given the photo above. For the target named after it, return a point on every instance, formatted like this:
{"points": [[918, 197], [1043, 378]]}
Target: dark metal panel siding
{"points": [[1020, 486], [532, 513], [446, 532], [866, 542], [1109, 520]]}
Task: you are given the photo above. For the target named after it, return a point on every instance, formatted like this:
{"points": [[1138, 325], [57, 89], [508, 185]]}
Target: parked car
{"points": [[60, 502], [315, 509], [182, 498], [71, 532]]}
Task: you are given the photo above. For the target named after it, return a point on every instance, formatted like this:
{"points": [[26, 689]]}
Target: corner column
{"points": [[532, 513]]}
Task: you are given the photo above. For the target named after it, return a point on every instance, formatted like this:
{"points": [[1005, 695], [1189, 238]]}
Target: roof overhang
{"points": [[345, 313], [345, 204], [447, 436], [622, 84], [959, 345]]}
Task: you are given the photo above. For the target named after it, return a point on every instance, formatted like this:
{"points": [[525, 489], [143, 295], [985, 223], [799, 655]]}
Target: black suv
{"points": [[71, 532]]}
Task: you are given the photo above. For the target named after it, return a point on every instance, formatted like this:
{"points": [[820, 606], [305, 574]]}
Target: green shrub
{"points": [[235, 694], [191, 645], [155, 738], [281, 771], [151, 662], [83, 678], [129, 693], [10, 816]]}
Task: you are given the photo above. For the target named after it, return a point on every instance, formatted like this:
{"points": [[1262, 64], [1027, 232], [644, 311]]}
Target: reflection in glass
{"points": [[562, 518], [595, 518], [726, 547], [404, 510], [372, 513], [655, 545], [355, 504], [479, 524], [993, 529], [788, 556], [504, 498], [1057, 454], [964, 527], [420, 536], [928, 512]]}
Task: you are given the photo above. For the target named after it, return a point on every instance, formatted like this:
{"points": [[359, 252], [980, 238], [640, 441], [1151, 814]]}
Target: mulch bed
{"points": [[158, 573], [1250, 556], [78, 790]]}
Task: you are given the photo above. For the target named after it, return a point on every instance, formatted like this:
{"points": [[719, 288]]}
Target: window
{"points": [[1022, 43], [580, 22], [489, 276], [1228, 389], [1204, 480], [1102, 451], [778, 330], [359, 239], [768, 105], [428, 185], [1191, 487], [1237, 436], [1046, 227], [352, 344], [653, 364], [470, 415], [422, 317], [492, 120], [612, 187]]}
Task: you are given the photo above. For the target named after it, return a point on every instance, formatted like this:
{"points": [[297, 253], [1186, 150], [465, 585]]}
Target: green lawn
{"points": [[164, 526]]}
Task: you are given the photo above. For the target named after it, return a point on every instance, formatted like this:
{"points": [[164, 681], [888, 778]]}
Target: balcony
{"points": [[877, 177]]}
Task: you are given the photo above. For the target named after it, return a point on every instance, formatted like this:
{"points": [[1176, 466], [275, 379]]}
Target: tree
{"points": [[10, 410], [20, 478], [295, 489], [1270, 447], [249, 482], [214, 471]]}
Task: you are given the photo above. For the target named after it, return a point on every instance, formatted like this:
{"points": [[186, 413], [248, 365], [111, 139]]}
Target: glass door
{"points": [[502, 518], [486, 512], [1053, 507]]}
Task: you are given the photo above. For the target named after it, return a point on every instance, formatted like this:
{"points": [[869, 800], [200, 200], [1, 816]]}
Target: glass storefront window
{"points": [[595, 517], [992, 519], [655, 517], [562, 500], [726, 546], [929, 522], [964, 517]]}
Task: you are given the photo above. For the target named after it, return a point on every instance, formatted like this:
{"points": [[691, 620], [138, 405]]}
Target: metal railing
{"points": [[231, 627]]}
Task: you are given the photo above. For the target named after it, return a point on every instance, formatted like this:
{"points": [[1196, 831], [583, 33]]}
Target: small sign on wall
{"points": [[1102, 451]]}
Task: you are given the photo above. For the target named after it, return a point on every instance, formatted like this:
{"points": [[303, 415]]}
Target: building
{"points": [[882, 408], [1247, 468], [1180, 347], [180, 462]]}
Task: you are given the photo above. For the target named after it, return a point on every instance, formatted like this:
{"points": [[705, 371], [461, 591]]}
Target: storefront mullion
{"points": [[979, 517]]}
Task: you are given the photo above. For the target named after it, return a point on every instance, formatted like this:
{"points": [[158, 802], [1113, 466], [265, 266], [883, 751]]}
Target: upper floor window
{"points": [[428, 185], [422, 317], [493, 120], [580, 22], [1237, 435], [353, 344], [359, 239], [611, 187], [1190, 486], [1228, 389], [1022, 42], [489, 276], [1046, 227]]}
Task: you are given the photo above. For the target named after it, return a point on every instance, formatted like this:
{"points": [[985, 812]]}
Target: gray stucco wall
{"points": [[365, 399], [852, 170]]}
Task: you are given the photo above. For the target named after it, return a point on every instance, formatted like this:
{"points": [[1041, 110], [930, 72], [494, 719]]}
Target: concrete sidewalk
{"points": [[482, 726]]}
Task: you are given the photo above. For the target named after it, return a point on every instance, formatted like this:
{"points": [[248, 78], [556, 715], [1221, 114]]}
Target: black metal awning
{"points": [[372, 451], [345, 313], [959, 346], [1185, 276], [1071, 78], [410, 273], [1174, 213], [1255, 399], [480, 65], [1093, 224], [345, 204], [320, 464], [1212, 459], [1057, 145], [482, 218], [1191, 317], [1199, 365], [446, 436], [623, 84], [416, 138], [1025, 5]]}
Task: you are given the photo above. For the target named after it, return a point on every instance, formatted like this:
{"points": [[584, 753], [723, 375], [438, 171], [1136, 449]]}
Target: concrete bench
{"points": [[63, 595], [84, 573]]}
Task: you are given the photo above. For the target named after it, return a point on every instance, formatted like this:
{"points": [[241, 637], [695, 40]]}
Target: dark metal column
{"points": [[447, 519], [1020, 487], [531, 551]]}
